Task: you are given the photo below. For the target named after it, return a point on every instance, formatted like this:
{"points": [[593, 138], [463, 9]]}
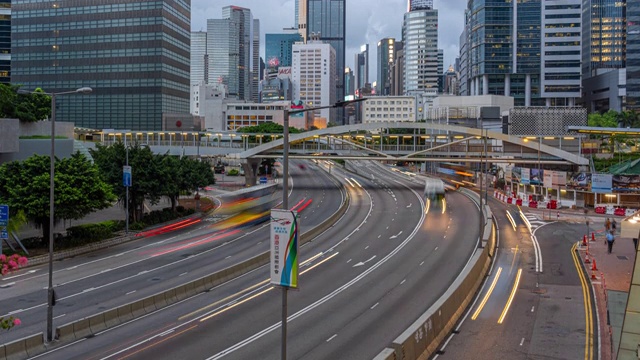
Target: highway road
{"points": [[105, 279], [536, 302], [362, 282]]}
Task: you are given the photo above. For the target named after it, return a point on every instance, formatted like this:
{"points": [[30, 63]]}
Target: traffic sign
{"points": [[263, 180], [4, 234], [4, 215]]}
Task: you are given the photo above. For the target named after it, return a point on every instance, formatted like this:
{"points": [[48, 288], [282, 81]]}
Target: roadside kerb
{"points": [[82, 328], [23, 348], [423, 338]]}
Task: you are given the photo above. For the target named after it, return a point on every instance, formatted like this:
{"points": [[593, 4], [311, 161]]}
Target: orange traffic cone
{"points": [[593, 266], [584, 240], [593, 236], [593, 275], [586, 260]]}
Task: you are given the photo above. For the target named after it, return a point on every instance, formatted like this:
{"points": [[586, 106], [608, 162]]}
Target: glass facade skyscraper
{"points": [[386, 57], [135, 56], [5, 41], [326, 19], [361, 68], [603, 36], [633, 55], [279, 46], [420, 39]]}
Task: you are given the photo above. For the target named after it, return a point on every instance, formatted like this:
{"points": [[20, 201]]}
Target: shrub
{"points": [[88, 233], [233, 172]]}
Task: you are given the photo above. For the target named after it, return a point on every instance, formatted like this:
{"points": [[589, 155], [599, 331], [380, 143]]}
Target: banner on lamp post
{"points": [[126, 176], [284, 248]]}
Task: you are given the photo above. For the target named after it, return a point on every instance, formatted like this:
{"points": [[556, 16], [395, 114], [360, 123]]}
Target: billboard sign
{"points": [[559, 178], [548, 178], [601, 183], [284, 248], [4, 221], [284, 72], [524, 176]]}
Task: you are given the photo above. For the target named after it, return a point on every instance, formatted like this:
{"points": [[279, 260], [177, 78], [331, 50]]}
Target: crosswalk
{"points": [[534, 220]]}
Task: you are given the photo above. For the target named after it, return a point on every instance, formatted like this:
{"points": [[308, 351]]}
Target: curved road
{"points": [[108, 278], [362, 282]]}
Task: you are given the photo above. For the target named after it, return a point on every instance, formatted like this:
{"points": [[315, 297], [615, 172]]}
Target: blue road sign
{"points": [[4, 215], [263, 180], [3, 233]]}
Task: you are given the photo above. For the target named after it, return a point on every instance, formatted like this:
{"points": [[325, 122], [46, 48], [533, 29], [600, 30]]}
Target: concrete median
{"points": [[82, 328], [23, 348], [96, 323], [65, 334], [124, 313], [137, 309], [149, 305], [160, 300], [16, 350], [111, 318]]}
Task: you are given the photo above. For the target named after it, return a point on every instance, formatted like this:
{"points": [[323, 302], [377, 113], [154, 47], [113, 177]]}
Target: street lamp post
{"points": [[285, 195], [83, 90]]}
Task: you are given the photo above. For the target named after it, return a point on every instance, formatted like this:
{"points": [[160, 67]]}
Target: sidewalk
{"points": [[611, 286], [613, 275]]}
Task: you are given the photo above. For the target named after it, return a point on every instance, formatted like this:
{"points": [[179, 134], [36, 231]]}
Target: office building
{"points": [[361, 67], [386, 57], [420, 5], [349, 83], [208, 101], [420, 38], [633, 55], [199, 58], [440, 71], [279, 46], [231, 46], [560, 50], [396, 83], [255, 60], [326, 19], [389, 108], [134, 55], [313, 76], [5, 41], [603, 55], [463, 61]]}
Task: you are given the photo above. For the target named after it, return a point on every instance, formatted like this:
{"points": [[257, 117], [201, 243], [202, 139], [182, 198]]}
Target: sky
{"points": [[367, 22]]}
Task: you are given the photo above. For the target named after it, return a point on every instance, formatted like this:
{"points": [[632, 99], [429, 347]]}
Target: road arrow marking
{"points": [[395, 236], [362, 263]]}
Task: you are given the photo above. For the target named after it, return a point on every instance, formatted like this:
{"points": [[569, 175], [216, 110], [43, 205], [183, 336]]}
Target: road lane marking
{"points": [[374, 305], [59, 316], [511, 296], [521, 341], [331, 338], [130, 292], [403, 281], [586, 296]]}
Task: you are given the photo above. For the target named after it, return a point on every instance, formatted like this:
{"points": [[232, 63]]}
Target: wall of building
{"points": [[605, 91], [389, 108]]}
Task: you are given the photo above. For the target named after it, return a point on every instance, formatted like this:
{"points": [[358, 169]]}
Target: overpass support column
{"points": [[507, 85], [251, 171]]}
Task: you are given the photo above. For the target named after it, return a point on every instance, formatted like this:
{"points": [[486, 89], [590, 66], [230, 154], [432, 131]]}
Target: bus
{"points": [[434, 194]]}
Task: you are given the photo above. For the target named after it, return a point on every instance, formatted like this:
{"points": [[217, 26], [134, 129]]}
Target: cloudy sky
{"points": [[367, 22]]}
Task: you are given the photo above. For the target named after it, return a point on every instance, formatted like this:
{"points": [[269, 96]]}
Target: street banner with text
{"points": [[284, 248]]}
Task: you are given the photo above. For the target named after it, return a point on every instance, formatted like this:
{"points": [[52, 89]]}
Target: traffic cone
{"points": [[593, 266], [584, 240], [586, 258], [593, 236], [593, 275]]}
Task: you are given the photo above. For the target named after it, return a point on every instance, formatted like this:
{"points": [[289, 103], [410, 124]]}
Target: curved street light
{"points": [[50, 296]]}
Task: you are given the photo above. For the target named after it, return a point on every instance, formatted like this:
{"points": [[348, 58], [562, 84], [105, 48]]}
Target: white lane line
{"points": [[227, 257], [331, 338], [166, 332], [348, 261], [422, 263], [436, 249], [403, 281], [7, 285], [532, 308], [366, 247], [183, 274], [87, 290], [374, 305], [59, 316], [521, 341], [130, 292], [15, 312]]}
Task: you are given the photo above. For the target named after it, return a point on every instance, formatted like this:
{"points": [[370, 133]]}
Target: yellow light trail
{"points": [[487, 295], [512, 220], [426, 209], [444, 205], [511, 296]]}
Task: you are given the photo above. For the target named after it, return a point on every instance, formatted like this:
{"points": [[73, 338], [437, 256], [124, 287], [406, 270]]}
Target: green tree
{"points": [[79, 189], [608, 119], [26, 107]]}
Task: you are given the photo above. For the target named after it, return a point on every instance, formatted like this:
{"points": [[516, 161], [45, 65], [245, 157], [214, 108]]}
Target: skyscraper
{"points": [[230, 43], [135, 56], [279, 46], [603, 54], [440, 70], [5, 41], [326, 19], [420, 5], [500, 50], [420, 38], [349, 80], [633, 55], [560, 50], [315, 87], [255, 61], [199, 58], [361, 67], [386, 57]]}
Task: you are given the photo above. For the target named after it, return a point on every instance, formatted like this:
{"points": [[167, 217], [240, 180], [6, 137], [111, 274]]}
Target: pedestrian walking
{"points": [[610, 240], [607, 225], [614, 224]]}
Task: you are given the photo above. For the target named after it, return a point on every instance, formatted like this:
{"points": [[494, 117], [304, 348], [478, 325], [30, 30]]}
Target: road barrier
{"points": [[423, 338]]}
